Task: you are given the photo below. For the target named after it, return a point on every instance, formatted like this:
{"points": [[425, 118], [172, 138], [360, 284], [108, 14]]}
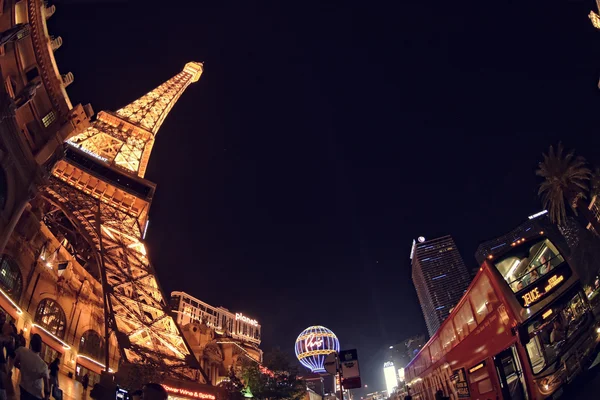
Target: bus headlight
{"points": [[550, 383]]}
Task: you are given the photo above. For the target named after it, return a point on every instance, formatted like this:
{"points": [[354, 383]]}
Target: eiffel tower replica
{"points": [[100, 186]]}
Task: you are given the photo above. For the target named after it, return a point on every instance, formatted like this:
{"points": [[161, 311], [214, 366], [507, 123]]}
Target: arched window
{"points": [[10, 278], [91, 344], [3, 188], [51, 316]]}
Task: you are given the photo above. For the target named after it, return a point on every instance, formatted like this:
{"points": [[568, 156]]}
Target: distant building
{"points": [[217, 337], [536, 223], [440, 278], [189, 309], [414, 345]]}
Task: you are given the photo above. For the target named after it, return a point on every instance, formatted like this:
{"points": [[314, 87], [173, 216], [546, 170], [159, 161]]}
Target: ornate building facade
{"points": [[36, 113], [73, 210]]}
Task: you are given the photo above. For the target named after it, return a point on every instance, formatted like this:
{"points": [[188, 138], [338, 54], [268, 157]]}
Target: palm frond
{"points": [[564, 178]]}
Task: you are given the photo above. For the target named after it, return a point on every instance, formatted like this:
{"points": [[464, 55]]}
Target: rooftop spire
{"points": [[125, 138]]}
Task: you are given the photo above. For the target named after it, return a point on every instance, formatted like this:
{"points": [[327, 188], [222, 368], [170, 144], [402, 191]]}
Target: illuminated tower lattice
{"points": [[99, 186], [313, 345]]}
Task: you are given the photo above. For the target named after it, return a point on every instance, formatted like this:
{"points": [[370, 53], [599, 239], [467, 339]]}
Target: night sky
{"points": [[324, 136]]}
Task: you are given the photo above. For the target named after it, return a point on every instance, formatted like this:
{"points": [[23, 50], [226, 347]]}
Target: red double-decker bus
{"points": [[522, 330]]}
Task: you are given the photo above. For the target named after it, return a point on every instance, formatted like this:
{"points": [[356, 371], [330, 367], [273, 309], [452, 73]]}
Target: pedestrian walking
{"points": [[35, 378], [54, 368], [85, 381]]}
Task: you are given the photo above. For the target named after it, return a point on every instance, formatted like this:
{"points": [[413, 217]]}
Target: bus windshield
{"points": [[553, 328], [527, 262]]}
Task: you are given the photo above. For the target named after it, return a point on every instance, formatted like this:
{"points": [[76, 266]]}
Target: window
{"points": [[32, 74], [464, 321], [92, 345], [448, 337], [10, 278], [526, 263], [552, 331], [435, 350], [51, 316], [483, 298], [48, 119]]}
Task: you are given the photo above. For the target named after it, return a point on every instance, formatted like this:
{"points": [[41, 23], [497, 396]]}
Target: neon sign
{"points": [[190, 393], [313, 345], [242, 317], [313, 341]]}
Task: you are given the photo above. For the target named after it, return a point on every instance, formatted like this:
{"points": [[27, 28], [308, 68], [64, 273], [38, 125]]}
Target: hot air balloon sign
{"points": [[313, 345]]}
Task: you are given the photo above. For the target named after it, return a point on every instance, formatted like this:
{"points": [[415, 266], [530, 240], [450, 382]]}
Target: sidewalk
{"points": [[72, 390]]}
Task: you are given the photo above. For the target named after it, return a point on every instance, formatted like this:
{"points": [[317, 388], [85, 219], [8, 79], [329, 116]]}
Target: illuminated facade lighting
{"points": [[98, 363], [19, 311], [534, 216], [64, 344]]}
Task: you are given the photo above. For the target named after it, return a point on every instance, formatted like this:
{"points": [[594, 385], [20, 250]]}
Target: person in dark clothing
{"points": [[22, 340], [85, 381], [54, 367]]}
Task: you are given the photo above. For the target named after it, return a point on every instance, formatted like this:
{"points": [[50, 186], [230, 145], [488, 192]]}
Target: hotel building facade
{"points": [[440, 278]]}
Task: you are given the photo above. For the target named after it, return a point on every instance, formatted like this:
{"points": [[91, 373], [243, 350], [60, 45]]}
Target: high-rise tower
{"points": [[100, 187], [440, 278]]}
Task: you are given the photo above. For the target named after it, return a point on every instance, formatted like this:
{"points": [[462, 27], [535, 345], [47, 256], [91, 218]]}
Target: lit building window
{"points": [[51, 316], [10, 278], [49, 119]]}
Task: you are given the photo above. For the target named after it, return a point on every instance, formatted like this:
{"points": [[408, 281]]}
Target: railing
{"points": [[535, 273]]}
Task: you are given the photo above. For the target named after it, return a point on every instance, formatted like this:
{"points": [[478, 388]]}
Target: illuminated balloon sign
{"points": [[313, 345]]}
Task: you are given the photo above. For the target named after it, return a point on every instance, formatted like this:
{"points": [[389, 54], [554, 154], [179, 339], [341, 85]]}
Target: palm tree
{"points": [[566, 180]]}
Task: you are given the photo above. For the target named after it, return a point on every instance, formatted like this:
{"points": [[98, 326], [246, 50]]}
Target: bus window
{"points": [[426, 360], [554, 328], [464, 321], [483, 298], [448, 337], [435, 350], [526, 263]]}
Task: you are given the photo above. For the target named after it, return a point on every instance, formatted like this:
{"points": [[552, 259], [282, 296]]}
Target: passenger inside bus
{"points": [[526, 264], [554, 327]]}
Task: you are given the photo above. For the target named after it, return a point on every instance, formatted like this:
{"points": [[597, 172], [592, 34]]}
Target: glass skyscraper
{"points": [[440, 278]]}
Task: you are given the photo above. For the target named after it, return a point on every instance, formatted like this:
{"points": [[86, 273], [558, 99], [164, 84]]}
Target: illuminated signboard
{"points": [[313, 345], [534, 216], [459, 379], [243, 318], [543, 286], [189, 393], [389, 373], [91, 153]]}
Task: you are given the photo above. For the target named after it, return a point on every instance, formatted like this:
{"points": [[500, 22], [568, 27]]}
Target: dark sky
{"points": [[324, 136]]}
